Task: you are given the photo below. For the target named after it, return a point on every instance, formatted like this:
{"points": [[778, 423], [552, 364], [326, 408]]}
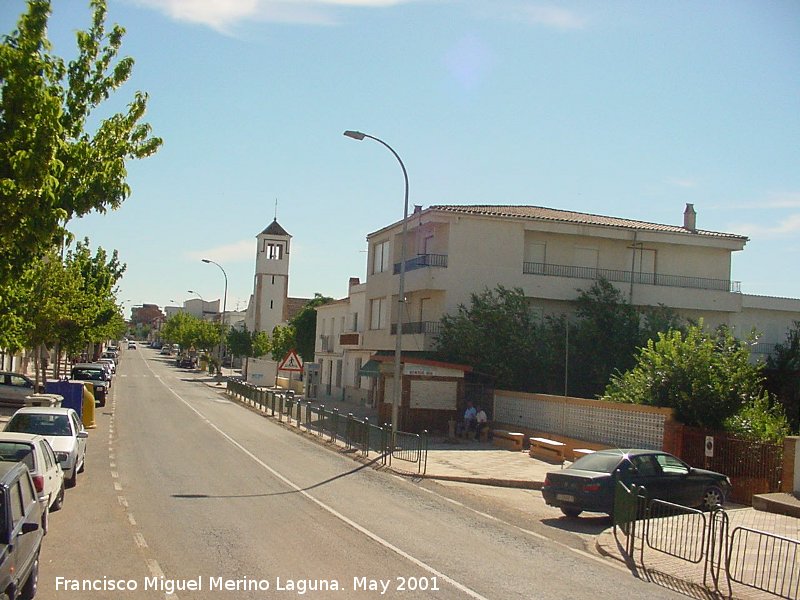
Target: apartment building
{"points": [[452, 251]]}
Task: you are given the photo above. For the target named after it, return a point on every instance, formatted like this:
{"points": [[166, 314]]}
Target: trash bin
{"points": [[70, 391], [49, 400], [88, 405]]}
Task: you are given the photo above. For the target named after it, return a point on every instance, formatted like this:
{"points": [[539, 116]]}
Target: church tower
{"points": [[271, 285]]}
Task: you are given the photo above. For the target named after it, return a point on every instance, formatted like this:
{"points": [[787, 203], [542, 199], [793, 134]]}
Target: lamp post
{"points": [[224, 308], [398, 348]]}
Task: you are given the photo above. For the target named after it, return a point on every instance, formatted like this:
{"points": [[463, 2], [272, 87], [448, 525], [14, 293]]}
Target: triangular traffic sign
{"points": [[291, 362]]}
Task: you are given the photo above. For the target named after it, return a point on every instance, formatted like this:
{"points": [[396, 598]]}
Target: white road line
{"points": [[139, 539], [329, 509], [131, 520], [122, 501], [114, 475], [117, 486]]}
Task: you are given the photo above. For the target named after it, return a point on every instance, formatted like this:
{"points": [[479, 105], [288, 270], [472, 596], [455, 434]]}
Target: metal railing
{"points": [[419, 327], [765, 562], [354, 434], [620, 276], [421, 261], [757, 559]]}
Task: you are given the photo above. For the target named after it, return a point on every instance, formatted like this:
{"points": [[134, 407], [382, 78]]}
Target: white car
{"points": [[46, 472], [61, 427], [110, 362]]}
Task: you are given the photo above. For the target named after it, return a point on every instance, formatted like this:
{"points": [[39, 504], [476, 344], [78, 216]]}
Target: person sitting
{"points": [[481, 423], [469, 420]]}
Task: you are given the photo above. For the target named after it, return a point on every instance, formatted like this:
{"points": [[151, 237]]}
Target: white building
{"points": [[454, 251]]}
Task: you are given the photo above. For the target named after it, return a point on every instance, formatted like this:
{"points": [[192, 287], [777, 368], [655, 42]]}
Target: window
{"points": [[671, 465], [380, 257], [535, 252], [17, 510], [377, 317], [355, 321], [274, 250]]}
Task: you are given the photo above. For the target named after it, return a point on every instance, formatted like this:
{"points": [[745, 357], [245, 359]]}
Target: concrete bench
{"points": [[549, 450], [580, 452], [508, 439]]}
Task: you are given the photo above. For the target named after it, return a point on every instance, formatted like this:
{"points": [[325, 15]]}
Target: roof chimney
{"points": [[690, 218], [353, 281], [417, 208]]}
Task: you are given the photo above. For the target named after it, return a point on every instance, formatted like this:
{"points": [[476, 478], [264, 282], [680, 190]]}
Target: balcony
{"points": [[679, 281], [326, 343], [420, 261], [419, 328]]}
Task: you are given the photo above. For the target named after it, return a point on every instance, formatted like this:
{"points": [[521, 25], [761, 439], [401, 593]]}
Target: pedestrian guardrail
{"points": [[358, 435]]}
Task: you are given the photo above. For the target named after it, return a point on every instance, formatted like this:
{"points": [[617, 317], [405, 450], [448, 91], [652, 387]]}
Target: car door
{"points": [[647, 473], [80, 440], [24, 509], [49, 471], [679, 487]]}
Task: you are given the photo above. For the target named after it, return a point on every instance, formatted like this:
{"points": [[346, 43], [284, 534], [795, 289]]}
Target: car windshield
{"points": [[40, 424], [88, 374], [601, 463], [17, 452]]}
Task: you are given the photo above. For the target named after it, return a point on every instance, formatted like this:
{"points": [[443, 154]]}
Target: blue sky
{"points": [[629, 109]]}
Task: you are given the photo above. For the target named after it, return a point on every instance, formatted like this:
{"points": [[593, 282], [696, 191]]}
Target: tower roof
{"points": [[275, 229]]}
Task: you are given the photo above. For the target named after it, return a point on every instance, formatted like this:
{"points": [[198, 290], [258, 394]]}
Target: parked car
{"points": [[165, 351], [110, 362], [14, 387], [113, 355], [97, 375], [63, 429], [186, 362], [588, 483], [20, 532], [46, 472]]}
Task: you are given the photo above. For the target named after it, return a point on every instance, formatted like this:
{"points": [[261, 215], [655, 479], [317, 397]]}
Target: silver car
{"points": [[62, 428]]}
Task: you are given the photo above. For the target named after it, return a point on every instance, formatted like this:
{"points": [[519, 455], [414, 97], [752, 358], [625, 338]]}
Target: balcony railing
{"points": [[421, 261], [419, 327], [701, 283]]}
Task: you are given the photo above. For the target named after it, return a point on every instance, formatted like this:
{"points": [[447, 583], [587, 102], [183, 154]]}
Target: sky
{"points": [[623, 108]]}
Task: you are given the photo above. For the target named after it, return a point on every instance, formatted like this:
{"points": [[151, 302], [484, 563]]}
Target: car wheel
{"points": [[571, 512], [32, 584], [73, 481], [59, 503], [45, 521], [712, 496]]}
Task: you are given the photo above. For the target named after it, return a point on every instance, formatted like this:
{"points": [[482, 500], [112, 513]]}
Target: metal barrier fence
{"points": [[757, 559], [355, 434]]}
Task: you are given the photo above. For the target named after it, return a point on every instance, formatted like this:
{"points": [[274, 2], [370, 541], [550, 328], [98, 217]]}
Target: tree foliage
{"points": [[51, 168], [706, 376], [305, 326], [783, 375], [190, 332], [283, 341]]}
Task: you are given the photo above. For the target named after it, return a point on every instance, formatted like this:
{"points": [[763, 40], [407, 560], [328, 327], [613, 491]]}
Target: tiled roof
{"points": [[294, 306], [274, 229], [539, 213]]}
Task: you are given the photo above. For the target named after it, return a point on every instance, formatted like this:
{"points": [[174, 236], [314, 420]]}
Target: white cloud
{"points": [[786, 227], [553, 16], [683, 182], [243, 250], [225, 15]]}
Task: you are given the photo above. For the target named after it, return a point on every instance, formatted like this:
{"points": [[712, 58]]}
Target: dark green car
{"points": [[588, 483]]}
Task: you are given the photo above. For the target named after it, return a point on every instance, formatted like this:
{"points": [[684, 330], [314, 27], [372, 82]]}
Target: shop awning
{"points": [[371, 368]]}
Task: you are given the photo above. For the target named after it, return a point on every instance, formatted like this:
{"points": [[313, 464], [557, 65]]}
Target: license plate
{"points": [[565, 497]]}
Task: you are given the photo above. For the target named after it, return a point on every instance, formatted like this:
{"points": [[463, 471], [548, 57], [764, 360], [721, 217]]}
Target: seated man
{"points": [[481, 422]]}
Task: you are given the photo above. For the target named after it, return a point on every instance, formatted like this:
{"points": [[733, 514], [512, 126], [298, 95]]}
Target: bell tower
{"points": [[271, 285]]}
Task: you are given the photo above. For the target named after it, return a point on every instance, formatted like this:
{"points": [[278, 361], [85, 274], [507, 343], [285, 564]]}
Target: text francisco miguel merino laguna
{"points": [[246, 584]]}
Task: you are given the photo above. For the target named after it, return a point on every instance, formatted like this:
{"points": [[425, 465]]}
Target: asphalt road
{"points": [[189, 493]]}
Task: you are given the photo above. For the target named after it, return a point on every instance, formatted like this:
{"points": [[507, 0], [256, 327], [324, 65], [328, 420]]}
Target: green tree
{"points": [[783, 375], [239, 342], [283, 341], [604, 339], [496, 335], [260, 343], [205, 335], [51, 168], [305, 326], [707, 377]]}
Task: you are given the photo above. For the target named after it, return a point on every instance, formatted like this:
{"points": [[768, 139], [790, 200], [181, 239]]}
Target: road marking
{"points": [[329, 509], [122, 501], [117, 486], [139, 539], [131, 520], [114, 475]]}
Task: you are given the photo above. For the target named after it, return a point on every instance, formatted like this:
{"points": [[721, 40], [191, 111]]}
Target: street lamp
{"points": [[224, 308], [398, 348]]}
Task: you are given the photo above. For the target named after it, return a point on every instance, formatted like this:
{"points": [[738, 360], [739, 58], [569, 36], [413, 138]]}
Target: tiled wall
{"points": [[623, 426]]}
